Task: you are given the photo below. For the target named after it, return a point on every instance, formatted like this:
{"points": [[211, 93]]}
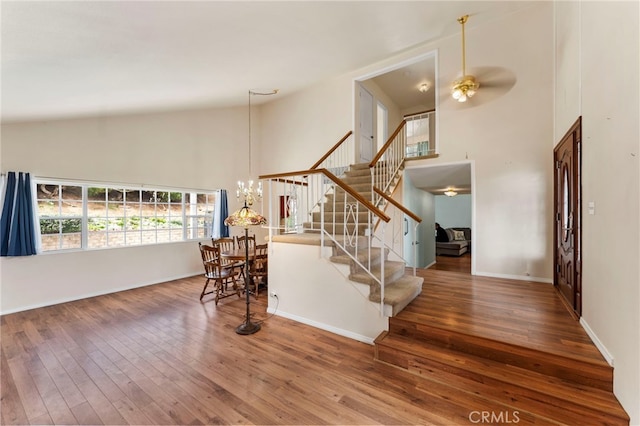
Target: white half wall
{"points": [[313, 291]]}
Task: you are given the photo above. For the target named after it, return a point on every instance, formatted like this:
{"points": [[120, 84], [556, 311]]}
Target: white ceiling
{"points": [[437, 179], [75, 58], [403, 84]]}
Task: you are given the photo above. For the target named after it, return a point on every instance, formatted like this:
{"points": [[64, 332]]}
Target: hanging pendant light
{"points": [[246, 217], [466, 86]]}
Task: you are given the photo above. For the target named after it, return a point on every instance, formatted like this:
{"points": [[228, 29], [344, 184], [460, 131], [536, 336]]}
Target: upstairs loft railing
{"points": [[420, 132], [411, 139]]}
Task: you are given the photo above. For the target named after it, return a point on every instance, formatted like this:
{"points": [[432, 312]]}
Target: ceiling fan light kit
{"points": [[467, 86]]}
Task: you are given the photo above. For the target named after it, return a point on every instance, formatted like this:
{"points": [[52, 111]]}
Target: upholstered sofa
{"points": [[459, 242]]}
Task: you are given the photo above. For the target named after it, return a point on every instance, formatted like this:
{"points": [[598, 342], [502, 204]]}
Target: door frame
{"points": [[371, 109], [574, 134]]}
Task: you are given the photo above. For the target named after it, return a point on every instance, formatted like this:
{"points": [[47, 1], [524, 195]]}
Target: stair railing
{"points": [[338, 159], [343, 218], [398, 228], [388, 162], [409, 140]]}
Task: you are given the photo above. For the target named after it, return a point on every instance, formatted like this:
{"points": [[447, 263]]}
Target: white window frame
{"points": [[194, 226]]}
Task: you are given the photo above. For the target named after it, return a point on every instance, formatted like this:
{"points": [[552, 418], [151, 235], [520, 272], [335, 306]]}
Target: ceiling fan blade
{"points": [[495, 77], [494, 83]]}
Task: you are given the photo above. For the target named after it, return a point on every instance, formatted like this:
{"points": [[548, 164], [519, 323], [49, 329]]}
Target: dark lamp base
{"points": [[247, 328]]}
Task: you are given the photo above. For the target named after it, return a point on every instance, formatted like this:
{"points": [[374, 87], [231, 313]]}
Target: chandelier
{"points": [[247, 193], [466, 86]]}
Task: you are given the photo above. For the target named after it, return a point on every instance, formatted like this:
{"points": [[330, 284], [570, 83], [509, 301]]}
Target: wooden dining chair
{"points": [[221, 276], [259, 268], [242, 240], [229, 244]]}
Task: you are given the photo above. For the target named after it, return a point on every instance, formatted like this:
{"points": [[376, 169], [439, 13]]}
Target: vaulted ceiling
{"points": [[76, 58]]}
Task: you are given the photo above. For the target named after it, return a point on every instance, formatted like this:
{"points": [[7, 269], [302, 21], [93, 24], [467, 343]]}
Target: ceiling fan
{"points": [[492, 78], [466, 86]]}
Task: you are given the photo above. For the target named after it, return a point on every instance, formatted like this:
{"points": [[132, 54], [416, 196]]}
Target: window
{"points": [[96, 216], [199, 215], [60, 210], [417, 134]]}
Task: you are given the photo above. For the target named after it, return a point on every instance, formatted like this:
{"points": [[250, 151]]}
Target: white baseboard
{"points": [[321, 326], [515, 277], [603, 350], [430, 265], [100, 293]]}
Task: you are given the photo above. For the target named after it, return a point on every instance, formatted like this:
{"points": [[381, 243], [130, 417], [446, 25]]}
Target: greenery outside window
{"points": [[80, 216]]}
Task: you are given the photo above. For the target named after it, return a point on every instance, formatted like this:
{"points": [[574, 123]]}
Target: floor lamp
{"points": [[246, 217]]}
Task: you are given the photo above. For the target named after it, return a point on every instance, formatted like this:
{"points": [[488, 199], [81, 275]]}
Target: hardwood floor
{"points": [[453, 263], [512, 344], [156, 355]]}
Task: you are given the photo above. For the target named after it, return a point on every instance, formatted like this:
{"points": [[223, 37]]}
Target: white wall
{"points": [[453, 212], [299, 128], [422, 204], [189, 149], [320, 296], [36, 281], [597, 55], [509, 137]]}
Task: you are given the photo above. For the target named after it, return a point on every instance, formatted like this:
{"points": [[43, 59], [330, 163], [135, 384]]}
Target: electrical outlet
{"points": [[273, 294]]}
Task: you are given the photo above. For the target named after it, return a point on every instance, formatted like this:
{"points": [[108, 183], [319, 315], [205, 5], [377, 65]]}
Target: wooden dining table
{"points": [[238, 254]]}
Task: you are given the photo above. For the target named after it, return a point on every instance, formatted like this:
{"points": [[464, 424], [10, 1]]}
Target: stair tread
{"points": [[483, 374], [399, 290], [357, 178], [390, 267], [362, 256]]}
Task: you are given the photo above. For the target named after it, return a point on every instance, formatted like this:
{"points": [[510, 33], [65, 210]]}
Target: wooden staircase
{"points": [[520, 353], [400, 288]]}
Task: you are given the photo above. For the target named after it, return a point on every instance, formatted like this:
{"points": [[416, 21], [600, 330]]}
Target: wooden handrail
{"points": [[348, 189], [282, 175], [293, 182], [420, 113], [386, 145], [397, 204], [336, 146]]}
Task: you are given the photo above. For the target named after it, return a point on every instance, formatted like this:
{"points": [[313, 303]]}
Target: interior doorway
{"points": [[367, 140], [428, 183], [568, 219], [395, 93]]}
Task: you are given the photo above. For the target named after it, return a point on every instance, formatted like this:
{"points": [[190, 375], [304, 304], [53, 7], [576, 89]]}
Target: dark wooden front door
{"points": [[567, 263]]}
